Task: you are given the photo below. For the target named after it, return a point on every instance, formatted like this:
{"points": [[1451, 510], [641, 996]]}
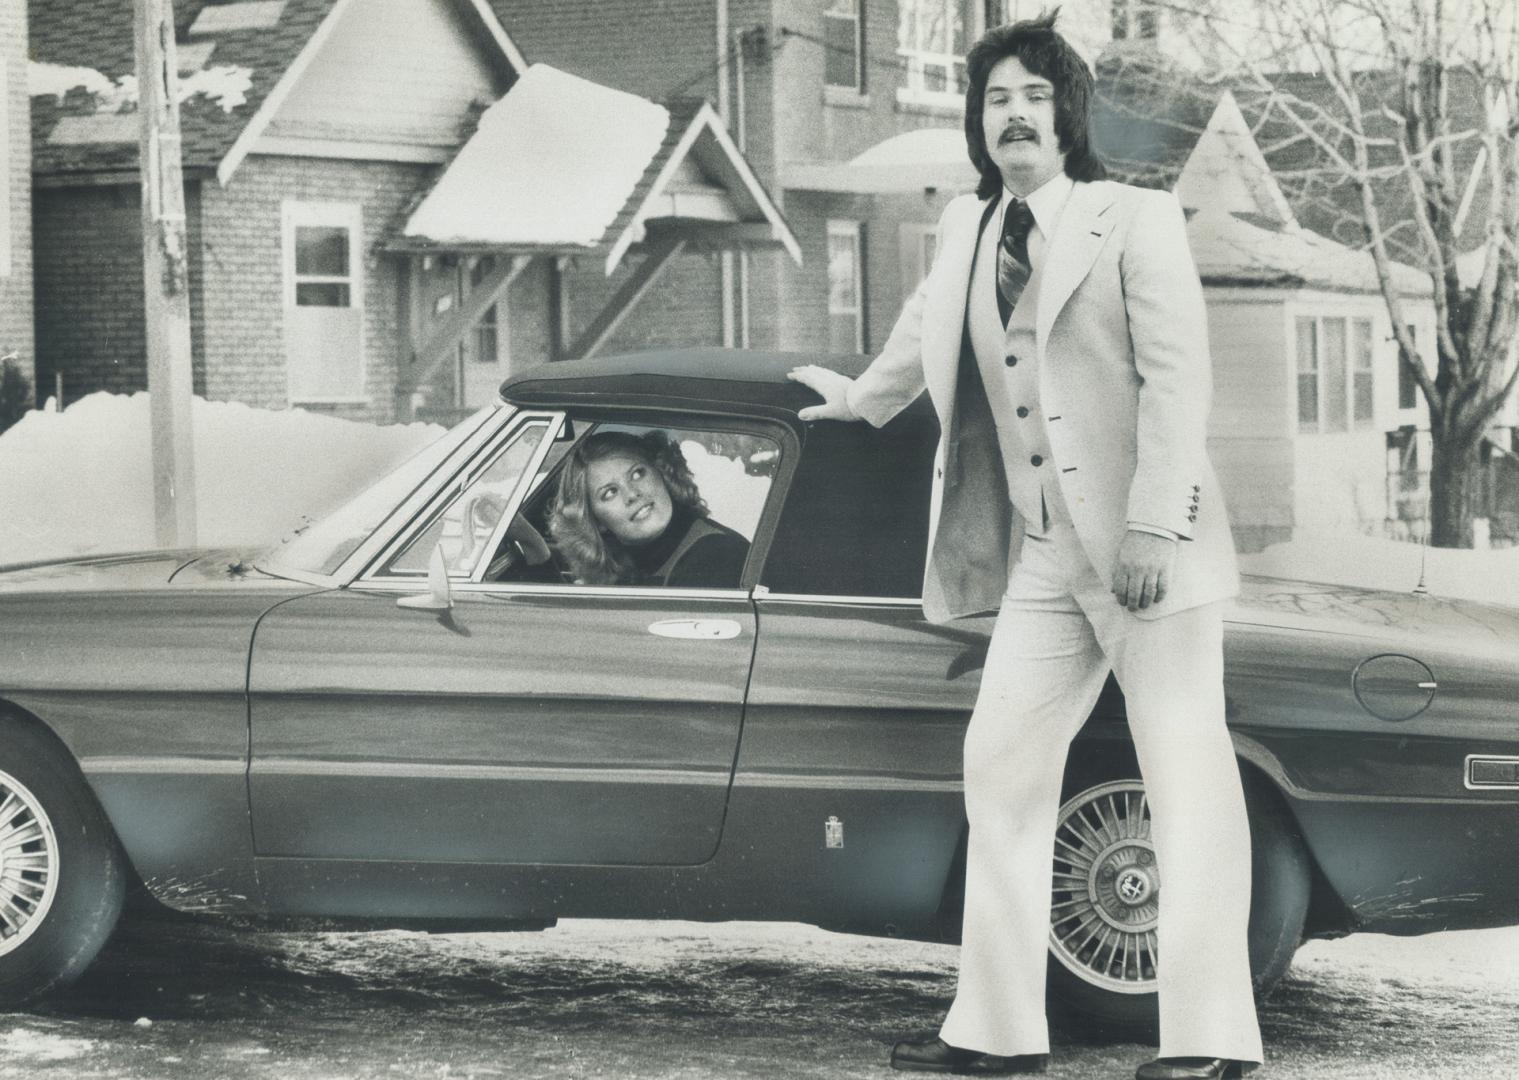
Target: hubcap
{"points": [[28, 863], [1106, 890]]}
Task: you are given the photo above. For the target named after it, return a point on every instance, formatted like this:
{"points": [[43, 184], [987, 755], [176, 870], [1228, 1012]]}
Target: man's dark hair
{"points": [[1045, 53]]}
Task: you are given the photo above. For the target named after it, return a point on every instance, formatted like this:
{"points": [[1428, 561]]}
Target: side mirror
{"points": [[438, 597]]}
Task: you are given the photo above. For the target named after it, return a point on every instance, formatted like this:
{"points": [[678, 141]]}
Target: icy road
{"points": [[638, 999]]}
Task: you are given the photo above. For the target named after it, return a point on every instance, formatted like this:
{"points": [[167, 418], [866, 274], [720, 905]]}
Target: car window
{"points": [[639, 505], [321, 547], [467, 527]]}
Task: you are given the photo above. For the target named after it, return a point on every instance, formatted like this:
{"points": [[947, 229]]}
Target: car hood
{"points": [[134, 570]]}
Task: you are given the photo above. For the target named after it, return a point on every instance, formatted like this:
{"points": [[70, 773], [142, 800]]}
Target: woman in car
{"points": [[627, 512]]}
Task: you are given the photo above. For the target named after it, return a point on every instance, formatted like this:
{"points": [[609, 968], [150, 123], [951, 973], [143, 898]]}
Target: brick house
{"points": [[313, 129], [15, 192]]}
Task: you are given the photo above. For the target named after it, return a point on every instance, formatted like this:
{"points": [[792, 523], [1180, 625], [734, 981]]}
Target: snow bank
{"points": [[80, 481], [1373, 563]]}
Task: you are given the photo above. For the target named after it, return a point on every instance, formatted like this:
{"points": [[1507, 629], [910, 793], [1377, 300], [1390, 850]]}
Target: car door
{"points": [[851, 762], [532, 722]]}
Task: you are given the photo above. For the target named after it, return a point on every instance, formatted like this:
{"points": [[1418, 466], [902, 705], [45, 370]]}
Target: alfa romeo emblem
{"points": [[1132, 886]]}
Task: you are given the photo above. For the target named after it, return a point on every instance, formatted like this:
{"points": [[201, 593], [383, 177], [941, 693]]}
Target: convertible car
{"points": [[413, 713]]}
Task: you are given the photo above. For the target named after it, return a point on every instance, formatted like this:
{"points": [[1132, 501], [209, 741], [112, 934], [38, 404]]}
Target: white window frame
{"points": [[916, 60], [851, 231], [295, 213], [1346, 372]]}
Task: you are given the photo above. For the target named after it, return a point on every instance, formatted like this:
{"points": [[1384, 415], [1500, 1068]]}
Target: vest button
{"points": [[1012, 361], [1022, 411], [1036, 461]]}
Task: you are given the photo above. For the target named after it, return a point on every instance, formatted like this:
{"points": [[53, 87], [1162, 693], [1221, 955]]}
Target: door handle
{"points": [[696, 629]]}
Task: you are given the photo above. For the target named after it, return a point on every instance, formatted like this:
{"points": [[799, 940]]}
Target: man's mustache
{"points": [[1016, 131]]}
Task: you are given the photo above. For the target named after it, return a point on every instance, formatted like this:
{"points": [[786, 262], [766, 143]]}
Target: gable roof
{"points": [[83, 74], [1328, 201], [1148, 116], [520, 183]]}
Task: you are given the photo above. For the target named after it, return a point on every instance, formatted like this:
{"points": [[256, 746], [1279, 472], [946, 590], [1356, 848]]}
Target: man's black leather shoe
{"points": [[1193, 1068], [936, 1055]]}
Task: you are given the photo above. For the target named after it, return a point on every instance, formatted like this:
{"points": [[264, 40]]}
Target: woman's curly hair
{"points": [[591, 556]]}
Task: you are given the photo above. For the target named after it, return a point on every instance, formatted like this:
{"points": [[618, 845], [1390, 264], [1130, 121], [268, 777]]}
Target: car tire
{"points": [[62, 874], [1119, 1000]]}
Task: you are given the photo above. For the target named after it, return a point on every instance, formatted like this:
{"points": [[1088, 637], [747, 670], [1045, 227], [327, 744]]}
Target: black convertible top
{"points": [[723, 380], [855, 517]]}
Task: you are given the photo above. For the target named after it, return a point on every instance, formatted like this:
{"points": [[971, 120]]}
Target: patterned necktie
{"points": [[1013, 267]]}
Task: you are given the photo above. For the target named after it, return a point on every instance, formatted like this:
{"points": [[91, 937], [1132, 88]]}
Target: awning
{"points": [[561, 165], [912, 161]]}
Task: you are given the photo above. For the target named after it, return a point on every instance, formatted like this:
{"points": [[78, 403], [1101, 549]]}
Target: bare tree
{"points": [[1397, 123]]}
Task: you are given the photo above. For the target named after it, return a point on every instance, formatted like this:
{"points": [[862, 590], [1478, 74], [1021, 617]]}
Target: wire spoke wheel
{"points": [[28, 863], [1105, 898]]}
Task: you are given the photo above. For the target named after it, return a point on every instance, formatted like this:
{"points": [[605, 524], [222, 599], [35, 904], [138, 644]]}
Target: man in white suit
{"points": [[1062, 338]]}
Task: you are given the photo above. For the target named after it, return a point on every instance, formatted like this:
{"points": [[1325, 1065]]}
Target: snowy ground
{"points": [[682, 1000]]}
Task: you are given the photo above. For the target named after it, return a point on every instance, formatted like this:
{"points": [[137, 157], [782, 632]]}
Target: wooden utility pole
{"points": [[166, 275]]}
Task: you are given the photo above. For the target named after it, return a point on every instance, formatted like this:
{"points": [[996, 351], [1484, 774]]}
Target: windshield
{"points": [[319, 547]]}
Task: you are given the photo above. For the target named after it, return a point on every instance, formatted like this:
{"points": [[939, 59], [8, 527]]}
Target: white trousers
{"points": [[1059, 632]]}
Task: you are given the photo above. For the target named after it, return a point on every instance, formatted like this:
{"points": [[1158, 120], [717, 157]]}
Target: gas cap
{"points": [[1392, 686]]}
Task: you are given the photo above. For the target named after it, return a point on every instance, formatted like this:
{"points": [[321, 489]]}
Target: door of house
{"points": [[484, 353]]}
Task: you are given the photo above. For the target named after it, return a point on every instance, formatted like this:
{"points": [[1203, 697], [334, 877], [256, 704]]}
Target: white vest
{"points": [[1012, 389]]}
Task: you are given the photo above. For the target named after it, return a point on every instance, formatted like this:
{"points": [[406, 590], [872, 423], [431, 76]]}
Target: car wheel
{"points": [[1106, 895], [62, 876]]}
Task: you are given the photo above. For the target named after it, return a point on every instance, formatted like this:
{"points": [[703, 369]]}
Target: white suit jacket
{"points": [[1122, 343]]}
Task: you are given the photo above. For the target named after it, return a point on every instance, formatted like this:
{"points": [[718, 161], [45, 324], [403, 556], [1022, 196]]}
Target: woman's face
{"points": [[629, 498]]}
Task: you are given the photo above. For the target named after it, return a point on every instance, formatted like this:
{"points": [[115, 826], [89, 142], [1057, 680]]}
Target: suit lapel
{"points": [[1084, 226]]}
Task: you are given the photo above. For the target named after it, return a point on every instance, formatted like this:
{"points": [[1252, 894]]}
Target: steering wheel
{"points": [[522, 542]]}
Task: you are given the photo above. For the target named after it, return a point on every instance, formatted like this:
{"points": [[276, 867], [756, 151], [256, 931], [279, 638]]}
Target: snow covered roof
{"points": [[236, 61], [910, 161], [529, 181], [1232, 249]]}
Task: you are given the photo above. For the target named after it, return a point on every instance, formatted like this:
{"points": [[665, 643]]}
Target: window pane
{"points": [[468, 523], [1333, 375], [1363, 402], [1407, 387], [960, 14], [321, 294], [1307, 378], [843, 274], [841, 49], [321, 250]]}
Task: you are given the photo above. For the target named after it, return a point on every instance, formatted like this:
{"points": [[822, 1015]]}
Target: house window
{"points": [[1362, 401], [844, 45], [932, 37], [324, 302], [846, 307], [1408, 386], [1335, 378], [1307, 375], [917, 247], [487, 340]]}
